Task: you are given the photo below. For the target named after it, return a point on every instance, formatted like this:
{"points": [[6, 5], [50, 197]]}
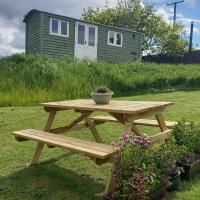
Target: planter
{"points": [[190, 170], [175, 180], [102, 98]]}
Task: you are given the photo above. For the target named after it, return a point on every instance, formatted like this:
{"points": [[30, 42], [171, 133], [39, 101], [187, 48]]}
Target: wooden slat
{"points": [[91, 149], [47, 127], [147, 122], [93, 129], [116, 117], [135, 130], [77, 127], [80, 142], [161, 122], [161, 136], [66, 129], [79, 119], [115, 106], [63, 138]]}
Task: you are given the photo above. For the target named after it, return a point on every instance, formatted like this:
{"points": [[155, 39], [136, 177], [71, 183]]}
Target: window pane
{"points": [[63, 28], [119, 39], [81, 34], [111, 37], [91, 36], [54, 25]]}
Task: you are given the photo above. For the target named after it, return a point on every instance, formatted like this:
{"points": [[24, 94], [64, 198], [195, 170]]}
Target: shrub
{"points": [[136, 171], [45, 78], [187, 134]]}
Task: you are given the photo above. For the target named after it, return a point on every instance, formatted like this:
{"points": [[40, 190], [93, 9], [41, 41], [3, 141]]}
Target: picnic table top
{"points": [[115, 106]]}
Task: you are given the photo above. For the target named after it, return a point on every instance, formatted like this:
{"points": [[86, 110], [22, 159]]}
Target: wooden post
{"points": [[40, 146], [111, 184], [79, 119], [135, 130], [161, 122], [127, 128], [93, 129]]}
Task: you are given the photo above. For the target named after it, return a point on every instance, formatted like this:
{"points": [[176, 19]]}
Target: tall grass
{"points": [[30, 79]]}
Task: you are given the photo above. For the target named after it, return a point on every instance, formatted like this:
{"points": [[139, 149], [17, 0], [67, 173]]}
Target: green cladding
{"points": [[39, 40]]}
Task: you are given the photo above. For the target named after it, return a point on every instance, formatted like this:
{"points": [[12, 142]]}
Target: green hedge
{"points": [[30, 79]]}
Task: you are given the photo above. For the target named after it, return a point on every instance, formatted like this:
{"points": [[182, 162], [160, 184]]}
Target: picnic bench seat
{"points": [[146, 122], [96, 151]]}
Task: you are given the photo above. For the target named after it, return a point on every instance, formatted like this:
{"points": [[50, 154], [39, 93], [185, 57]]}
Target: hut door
{"points": [[86, 41]]}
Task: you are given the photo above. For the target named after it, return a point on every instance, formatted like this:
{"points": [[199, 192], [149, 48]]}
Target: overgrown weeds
{"points": [[29, 79]]}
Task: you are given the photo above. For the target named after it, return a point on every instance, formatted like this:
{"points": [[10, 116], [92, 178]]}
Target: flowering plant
{"points": [[187, 135], [102, 89], [169, 154], [136, 170]]}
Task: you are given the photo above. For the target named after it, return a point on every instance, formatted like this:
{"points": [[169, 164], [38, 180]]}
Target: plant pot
{"points": [[190, 170], [175, 180], [159, 192], [102, 98]]}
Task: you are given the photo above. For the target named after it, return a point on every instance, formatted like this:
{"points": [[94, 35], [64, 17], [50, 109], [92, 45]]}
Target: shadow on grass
{"points": [[48, 181]]}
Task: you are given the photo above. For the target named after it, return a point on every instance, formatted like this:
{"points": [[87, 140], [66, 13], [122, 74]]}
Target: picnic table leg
{"points": [[111, 184], [40, 146], [161, 122], [93, 129], [127, 127], [135, 130]]}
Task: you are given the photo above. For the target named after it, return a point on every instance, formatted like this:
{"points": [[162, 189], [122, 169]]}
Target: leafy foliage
{"points": [[159, 35], [136, 169], [29, 79], [188, 134], [168, 155], [102, 89]]}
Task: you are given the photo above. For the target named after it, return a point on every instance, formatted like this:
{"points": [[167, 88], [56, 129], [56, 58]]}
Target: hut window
{"points": [[59, 27], [63, 28], [91, 36], [114, 38], [81, 34], [54, 26], [111, 37]]}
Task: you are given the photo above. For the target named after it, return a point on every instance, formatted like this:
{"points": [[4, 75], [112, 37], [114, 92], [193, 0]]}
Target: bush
{"points": [[187, 134], [31, 78], [136, 168]]}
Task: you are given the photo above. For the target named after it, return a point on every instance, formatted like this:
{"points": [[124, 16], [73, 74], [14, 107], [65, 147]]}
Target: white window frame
{"points": [[59, 28], [115, 39]]}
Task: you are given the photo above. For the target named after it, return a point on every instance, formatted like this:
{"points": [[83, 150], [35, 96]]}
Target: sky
{"points": [[12, 12]]}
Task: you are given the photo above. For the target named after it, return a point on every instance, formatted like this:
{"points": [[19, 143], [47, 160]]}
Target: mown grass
{"points": [[67, 176], [30, 79]]}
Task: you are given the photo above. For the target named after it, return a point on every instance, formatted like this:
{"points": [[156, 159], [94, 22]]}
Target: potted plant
{"points": [[136, 171], [187, 135], [191, 166], [168, 155], [102, 95]]}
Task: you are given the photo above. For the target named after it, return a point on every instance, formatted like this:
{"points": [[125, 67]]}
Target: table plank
{"points": [[115, 106], [61, 139]]}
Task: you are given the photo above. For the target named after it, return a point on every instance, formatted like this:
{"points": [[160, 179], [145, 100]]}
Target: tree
{"points": [[159, 35]]}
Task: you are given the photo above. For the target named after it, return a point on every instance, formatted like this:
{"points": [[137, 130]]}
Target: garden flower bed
{"points": [[143, 171]]}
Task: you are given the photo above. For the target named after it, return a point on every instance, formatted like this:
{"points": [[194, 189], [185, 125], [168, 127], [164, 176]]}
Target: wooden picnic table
{"points": [[125, 112], [128, 113]]}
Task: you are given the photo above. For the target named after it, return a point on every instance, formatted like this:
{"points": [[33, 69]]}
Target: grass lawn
{"points": [[65, 175]]}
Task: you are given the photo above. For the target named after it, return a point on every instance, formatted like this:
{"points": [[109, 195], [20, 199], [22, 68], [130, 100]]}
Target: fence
{"points": [[187, 58]]}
